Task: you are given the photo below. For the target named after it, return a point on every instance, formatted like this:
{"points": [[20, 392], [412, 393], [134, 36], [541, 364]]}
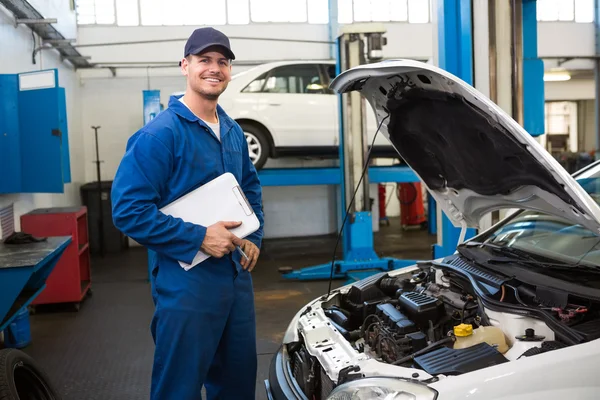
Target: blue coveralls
{"points": [[204, 321]]}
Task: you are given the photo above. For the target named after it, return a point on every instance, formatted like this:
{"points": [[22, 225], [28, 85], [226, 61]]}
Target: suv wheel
{"points": [[258, 145]]}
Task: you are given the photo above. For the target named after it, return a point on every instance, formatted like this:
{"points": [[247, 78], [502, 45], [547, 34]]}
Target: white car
{"points": [[287, 109], [513, 314]]}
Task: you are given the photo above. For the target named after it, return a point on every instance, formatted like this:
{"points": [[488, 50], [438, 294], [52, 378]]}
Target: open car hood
{"points": [[471, 155]]}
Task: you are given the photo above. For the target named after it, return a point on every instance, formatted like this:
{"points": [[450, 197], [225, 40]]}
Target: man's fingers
{"points": [[236, 240], [253, 264], [231, 224], [253, 258]]}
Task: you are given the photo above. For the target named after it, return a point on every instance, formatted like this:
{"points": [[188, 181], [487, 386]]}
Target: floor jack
{"points": [[358, 44]]}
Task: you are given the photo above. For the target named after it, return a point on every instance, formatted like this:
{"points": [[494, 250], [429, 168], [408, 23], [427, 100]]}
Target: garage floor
{"points": [[104, 351]]}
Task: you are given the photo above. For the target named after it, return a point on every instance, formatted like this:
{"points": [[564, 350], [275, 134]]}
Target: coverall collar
{"points": [[185, 113]]}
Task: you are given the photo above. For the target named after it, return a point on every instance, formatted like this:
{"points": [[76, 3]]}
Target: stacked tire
{"points": [[21, 378]]}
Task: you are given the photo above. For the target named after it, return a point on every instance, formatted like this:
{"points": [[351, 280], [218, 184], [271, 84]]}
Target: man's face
{"points": [[207, 74]]}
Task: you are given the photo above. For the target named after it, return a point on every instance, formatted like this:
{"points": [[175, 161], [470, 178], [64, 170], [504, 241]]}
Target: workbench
{"points": [[24, 269]]}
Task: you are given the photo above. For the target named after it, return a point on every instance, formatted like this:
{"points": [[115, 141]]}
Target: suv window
{"points": [[256, 85], [330, 71], [295, 79]]}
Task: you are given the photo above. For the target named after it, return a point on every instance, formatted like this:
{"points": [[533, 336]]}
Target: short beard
{"points": [[209, 96]]}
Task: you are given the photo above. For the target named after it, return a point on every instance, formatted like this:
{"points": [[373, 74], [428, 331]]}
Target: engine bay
{"points": [[431, 322]]}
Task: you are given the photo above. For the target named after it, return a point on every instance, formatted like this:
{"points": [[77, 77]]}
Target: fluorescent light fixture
{"points": [[556, 76]]}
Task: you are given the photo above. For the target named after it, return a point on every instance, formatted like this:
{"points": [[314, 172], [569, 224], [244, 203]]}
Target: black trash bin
{"points": [[114, 240]]}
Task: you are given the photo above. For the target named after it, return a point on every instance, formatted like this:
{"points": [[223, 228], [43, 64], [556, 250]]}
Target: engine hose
{"points": [[427, 349]]}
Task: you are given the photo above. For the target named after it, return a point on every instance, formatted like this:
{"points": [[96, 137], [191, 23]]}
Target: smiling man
{"points": [[204, 320]]}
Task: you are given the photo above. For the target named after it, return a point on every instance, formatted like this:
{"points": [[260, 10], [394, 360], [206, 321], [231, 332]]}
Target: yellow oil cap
{"points": [[463, 330]]}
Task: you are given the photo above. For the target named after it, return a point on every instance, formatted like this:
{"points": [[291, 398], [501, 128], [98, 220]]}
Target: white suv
{"points": [[287, 109]]}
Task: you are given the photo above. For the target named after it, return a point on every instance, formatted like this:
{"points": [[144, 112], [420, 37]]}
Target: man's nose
{"points": [[214, 67]]}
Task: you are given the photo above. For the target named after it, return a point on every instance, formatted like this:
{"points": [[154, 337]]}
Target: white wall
{"points": [[62, 11], [575, 89], [15, 57], [116, 106], [586, 110]]}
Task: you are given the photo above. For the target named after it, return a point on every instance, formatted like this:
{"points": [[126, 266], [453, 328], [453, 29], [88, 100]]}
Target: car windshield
{"points": [[553, 237]]}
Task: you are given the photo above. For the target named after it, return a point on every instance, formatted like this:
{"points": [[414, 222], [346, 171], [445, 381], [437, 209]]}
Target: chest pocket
{"points": [[232, 153], [233, 163]]}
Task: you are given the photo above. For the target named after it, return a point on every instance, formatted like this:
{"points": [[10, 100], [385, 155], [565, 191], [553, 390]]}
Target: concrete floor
{"points": [[104, 351]]}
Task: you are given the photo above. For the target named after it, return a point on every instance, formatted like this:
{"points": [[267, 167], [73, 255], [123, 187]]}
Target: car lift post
{"points": [[358, 44]]}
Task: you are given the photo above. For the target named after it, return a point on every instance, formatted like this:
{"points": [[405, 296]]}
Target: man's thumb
{"points": [[237, 241], [231, 224]]}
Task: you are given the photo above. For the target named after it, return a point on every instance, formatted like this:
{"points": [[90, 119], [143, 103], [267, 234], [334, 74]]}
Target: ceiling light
{"points": [[556, 76]]}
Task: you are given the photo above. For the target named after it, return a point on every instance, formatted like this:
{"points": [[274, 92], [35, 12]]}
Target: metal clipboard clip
{"points": [[241, 198]]}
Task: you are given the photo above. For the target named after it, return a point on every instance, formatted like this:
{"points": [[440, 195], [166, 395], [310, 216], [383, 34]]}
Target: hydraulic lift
{"points": [[358, 44]]}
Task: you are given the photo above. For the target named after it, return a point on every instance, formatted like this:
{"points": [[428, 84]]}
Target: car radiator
{"points": [[327, 384]]}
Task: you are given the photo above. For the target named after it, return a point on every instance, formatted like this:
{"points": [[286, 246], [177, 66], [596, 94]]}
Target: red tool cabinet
{"points": [[70, 280]]}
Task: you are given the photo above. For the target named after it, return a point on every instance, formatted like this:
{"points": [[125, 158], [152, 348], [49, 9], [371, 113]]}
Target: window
{"points": [[330, 71], [256, 85], [413, 11], [294, 79], [560, 127], [127, 13], [565, 10], [278, 11], [95, 11], [584, 11], [239, 12], [182, 12], [318, 11], [301, 78]]}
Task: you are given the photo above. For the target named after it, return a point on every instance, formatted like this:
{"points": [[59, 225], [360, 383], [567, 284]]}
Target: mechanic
{"points": [[204, 321]]}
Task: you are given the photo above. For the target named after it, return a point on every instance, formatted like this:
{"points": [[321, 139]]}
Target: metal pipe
{"points": [[493, 52], [185, 39], [597, 73], [99, 181], [516, 50], [32, 21]]}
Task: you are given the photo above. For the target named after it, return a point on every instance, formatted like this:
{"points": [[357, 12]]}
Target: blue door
{"points": [[41, 137], [10, 144]]}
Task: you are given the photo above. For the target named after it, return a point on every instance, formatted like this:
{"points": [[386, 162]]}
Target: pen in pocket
{"points": [[242, 253]]}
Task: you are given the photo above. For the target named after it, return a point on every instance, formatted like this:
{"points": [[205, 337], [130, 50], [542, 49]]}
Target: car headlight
{"points": [[384, 389]]}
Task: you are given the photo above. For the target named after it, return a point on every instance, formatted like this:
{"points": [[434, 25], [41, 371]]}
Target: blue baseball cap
{"points": [[203, 38]]}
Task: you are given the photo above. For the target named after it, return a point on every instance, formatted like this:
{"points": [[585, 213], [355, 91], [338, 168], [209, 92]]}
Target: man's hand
{"points": [[219, 241], [252, 252]]}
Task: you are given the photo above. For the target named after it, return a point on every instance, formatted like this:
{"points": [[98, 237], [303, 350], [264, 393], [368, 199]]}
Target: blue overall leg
{"points": [[233, 373], [204, 332]]}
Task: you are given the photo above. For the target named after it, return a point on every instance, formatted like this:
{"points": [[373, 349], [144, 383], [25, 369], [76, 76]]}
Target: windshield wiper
{"points": [[517, 256], [505, 251]]}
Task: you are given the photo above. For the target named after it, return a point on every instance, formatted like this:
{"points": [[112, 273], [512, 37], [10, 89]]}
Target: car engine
{"points": [[430, 323]]}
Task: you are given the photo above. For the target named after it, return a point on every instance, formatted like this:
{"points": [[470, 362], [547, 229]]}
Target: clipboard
{"points": [[221, 199]]}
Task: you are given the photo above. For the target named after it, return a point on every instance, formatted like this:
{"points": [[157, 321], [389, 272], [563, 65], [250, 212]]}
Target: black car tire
{"points": [[22, 378], [257, 136]]}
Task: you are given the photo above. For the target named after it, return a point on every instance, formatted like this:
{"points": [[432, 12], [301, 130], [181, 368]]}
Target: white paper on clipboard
{"points": [[221, 199]]}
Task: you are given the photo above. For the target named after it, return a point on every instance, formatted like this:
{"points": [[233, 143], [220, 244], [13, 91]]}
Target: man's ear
{"points": [[184, 66]]}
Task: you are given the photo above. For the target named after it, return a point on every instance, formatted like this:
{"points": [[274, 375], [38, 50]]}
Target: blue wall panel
{"points": [[64, 128], [34, 138], [41, 157], [533, 73], [151, 104], [10, 145]]}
